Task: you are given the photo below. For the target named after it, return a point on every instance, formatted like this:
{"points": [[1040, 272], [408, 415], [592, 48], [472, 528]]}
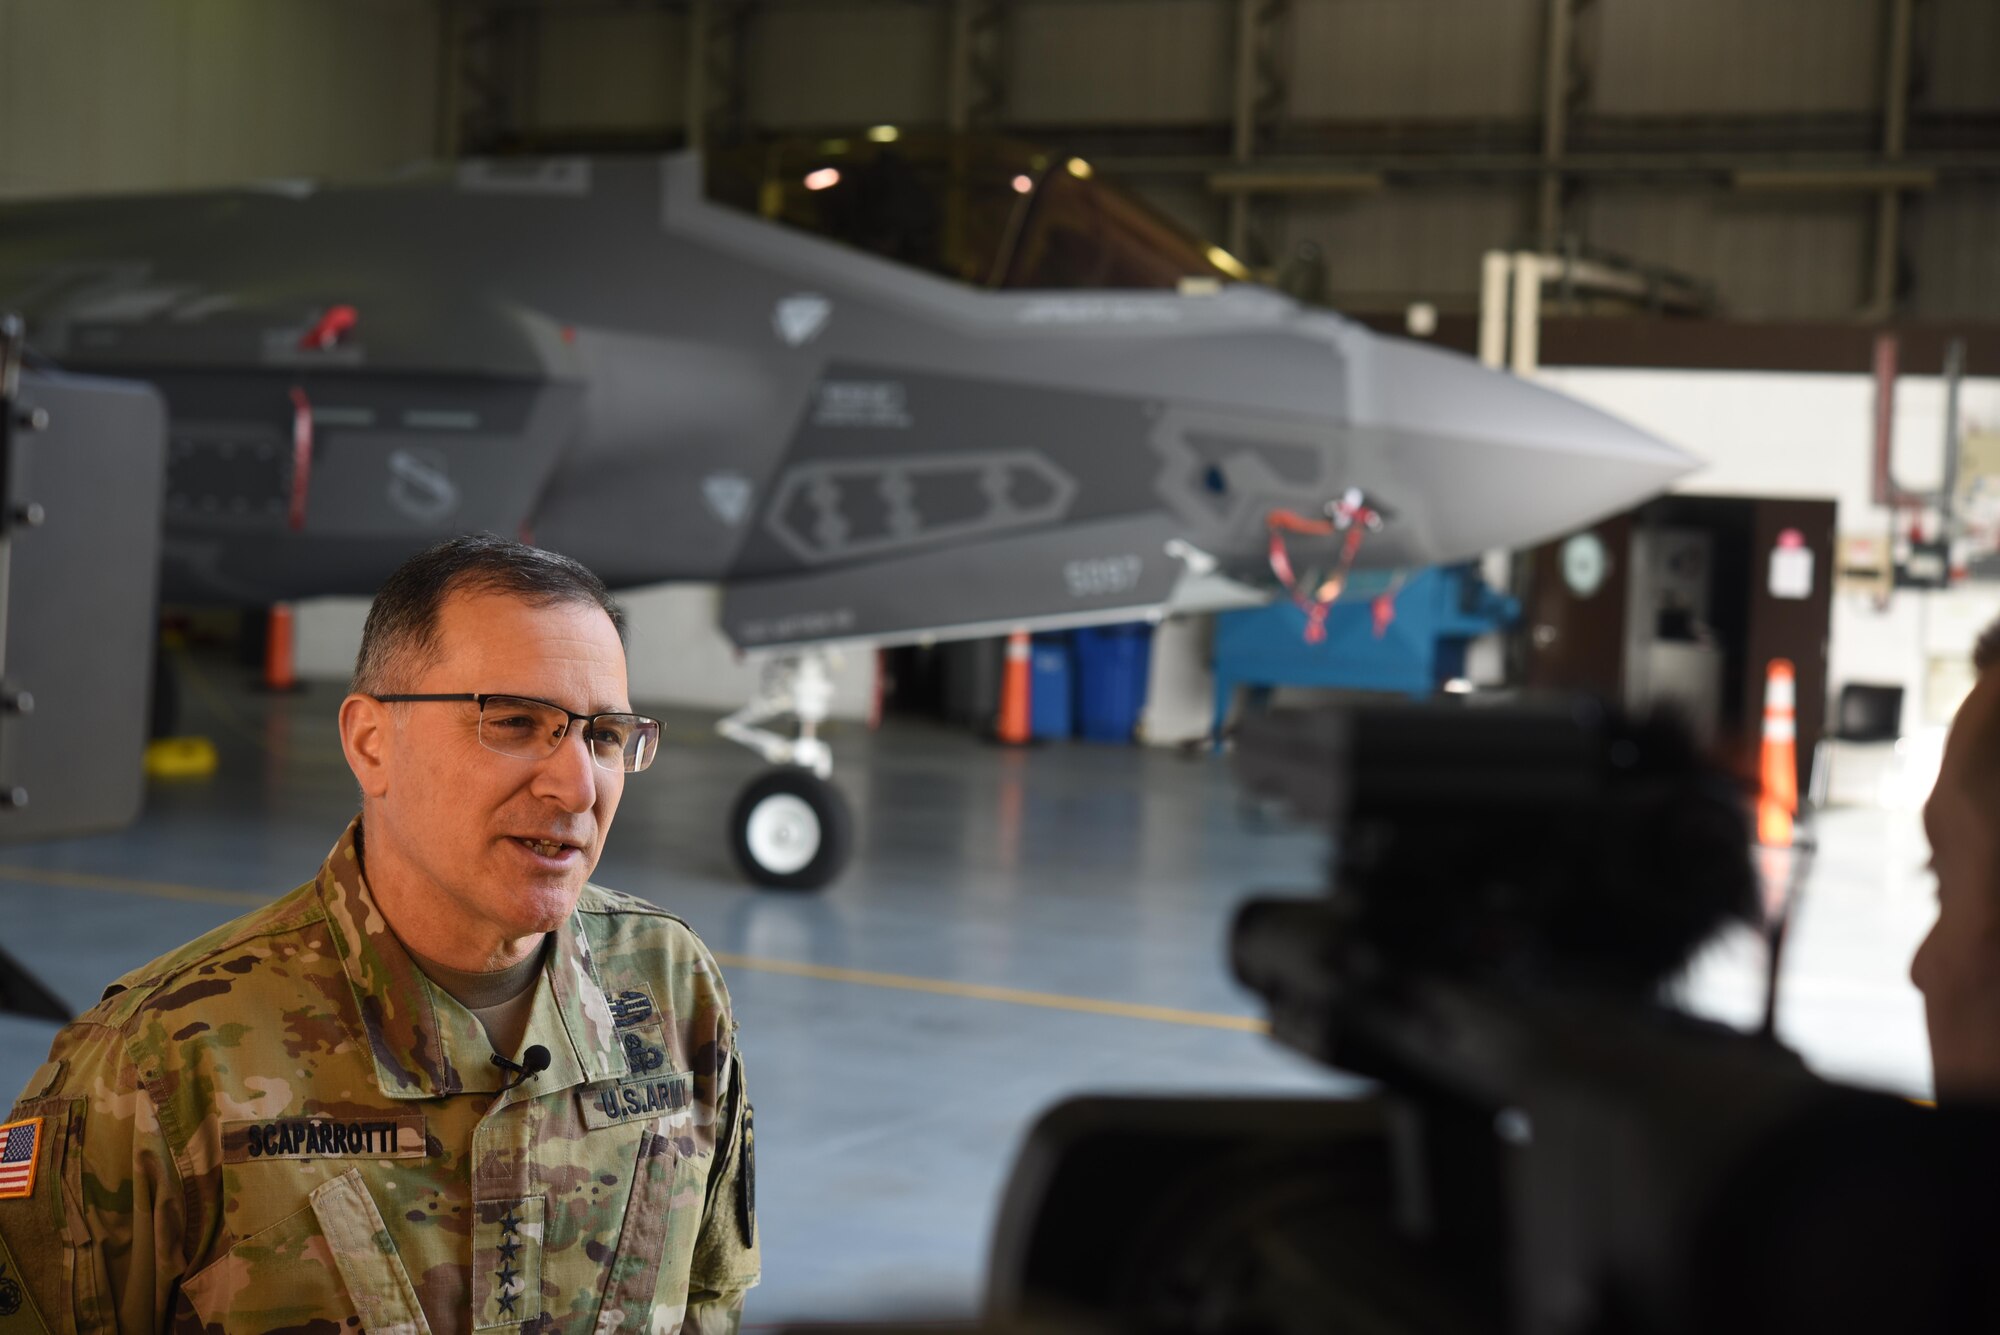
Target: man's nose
{"points": [[570, 774]]}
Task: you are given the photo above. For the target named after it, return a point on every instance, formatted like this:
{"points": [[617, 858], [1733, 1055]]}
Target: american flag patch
{"points": [[20, 1143]]}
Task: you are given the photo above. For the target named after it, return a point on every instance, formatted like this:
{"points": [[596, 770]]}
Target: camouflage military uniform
{"points": [[286, 1126]]}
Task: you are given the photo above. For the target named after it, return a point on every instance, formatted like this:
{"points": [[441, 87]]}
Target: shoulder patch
{"points": [[17, 1310], [44, 1080], [20, 1152]]}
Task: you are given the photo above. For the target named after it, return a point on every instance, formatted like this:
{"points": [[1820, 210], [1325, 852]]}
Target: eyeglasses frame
{"points": [[471, 697]]}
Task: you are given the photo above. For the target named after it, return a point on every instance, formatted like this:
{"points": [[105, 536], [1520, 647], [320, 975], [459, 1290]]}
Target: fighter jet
{"points": [[876, 392]]}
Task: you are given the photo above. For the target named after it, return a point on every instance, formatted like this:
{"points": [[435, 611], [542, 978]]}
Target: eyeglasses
{"points": [[515, 725]]}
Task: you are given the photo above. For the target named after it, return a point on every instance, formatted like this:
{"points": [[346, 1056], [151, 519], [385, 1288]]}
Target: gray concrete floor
{"points": [[887, 1117]]}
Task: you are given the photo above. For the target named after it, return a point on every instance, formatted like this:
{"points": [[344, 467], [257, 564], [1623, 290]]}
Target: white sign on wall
{"points": [[1791, 566]]}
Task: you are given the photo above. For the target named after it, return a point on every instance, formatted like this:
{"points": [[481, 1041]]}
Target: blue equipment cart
{"points": [[1438, 612]]}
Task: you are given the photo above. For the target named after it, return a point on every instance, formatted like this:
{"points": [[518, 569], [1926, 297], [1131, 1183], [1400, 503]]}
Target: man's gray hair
{"points": [[400, 638]]}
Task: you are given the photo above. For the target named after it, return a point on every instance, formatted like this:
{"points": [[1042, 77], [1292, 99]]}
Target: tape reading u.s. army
{"points": [[634, 1100], [397, 1136]]}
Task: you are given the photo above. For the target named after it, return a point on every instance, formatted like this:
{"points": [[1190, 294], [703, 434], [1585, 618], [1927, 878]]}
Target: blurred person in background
{"points": [[1957, 968]]}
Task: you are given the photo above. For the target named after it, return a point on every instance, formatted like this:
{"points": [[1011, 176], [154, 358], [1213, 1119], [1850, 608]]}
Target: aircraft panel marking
{"points": [[551, 176], [441, 419], [728, 496], [420, 485], [836, 510], [800, 317], [862, 403], [1097, 576]]}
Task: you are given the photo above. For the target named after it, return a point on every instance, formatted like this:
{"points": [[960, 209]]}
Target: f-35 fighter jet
{"points": [[898, 394]]}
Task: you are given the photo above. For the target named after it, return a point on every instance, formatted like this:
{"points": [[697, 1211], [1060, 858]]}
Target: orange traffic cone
{"points": [[279, 674], [1016, 686], [1780, 798]]}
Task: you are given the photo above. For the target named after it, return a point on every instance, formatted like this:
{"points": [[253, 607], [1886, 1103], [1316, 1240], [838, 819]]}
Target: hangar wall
{"points": [[132, 95], [1443, 99], [1810, 435]]}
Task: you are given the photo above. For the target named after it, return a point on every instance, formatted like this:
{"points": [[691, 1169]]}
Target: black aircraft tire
{"points": [[791, 830]]}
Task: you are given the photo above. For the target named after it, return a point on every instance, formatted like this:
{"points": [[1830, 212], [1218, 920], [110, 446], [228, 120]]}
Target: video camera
{"points": [[1552, 1149]]}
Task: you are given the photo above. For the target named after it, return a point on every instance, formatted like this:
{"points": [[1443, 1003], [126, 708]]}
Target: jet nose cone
{"points": [[1422, 389], [1472, 459]]}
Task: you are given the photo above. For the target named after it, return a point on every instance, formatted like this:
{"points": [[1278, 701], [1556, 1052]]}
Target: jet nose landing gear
{"points": [[790, 828]]}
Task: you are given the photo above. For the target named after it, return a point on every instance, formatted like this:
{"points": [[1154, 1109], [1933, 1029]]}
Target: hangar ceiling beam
{"points": [[976, 69], [1557, 59], [717, 70], [445, 134], [486, 58], [1258, 92], [1895, 128], [1308, 174]]}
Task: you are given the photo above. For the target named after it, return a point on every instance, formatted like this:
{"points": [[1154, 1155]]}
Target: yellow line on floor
{"points": [[943, 987], [1013, 996], [194, 894]]}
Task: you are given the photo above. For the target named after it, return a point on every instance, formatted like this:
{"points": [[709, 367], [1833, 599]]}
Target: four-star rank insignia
{"points": [[508, 1286], [509, 1291]]}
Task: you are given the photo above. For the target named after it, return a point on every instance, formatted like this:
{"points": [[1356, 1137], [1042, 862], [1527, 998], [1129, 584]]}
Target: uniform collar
{"points": [[424, 1044]]}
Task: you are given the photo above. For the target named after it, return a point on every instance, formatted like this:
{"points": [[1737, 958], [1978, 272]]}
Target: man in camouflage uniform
{"points": [[322, 1117]]}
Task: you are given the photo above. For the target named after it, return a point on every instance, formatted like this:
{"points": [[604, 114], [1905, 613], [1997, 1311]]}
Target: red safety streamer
{"points": [[330, 329], [1384, 606], [1352, 516]]}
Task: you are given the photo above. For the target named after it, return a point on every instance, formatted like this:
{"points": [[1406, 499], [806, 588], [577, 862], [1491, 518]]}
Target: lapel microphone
{"points": [[533, 1062]]}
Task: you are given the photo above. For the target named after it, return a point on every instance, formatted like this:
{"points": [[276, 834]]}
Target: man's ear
{"points": [[367, 736]]}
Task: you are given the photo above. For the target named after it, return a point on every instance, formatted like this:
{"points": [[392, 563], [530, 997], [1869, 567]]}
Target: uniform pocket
{"points": [[633, 1281], [279, 1276], [376, 1281], [329, 1260]]}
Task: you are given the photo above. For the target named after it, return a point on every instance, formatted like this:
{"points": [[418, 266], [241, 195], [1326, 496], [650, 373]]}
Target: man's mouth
{"points": [[548, 848]]}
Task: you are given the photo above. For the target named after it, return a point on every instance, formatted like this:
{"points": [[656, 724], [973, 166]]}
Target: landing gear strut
{"points": [[790, 829]]}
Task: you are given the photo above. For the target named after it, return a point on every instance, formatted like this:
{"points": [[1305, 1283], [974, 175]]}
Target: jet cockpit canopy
{"points": [[991, 212]]}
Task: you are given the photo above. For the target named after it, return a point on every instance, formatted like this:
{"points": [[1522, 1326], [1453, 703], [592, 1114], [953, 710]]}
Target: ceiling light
{"points": [[884, 134], [1023, 183], [824, 178], [1079, 169], [1228, 263]]}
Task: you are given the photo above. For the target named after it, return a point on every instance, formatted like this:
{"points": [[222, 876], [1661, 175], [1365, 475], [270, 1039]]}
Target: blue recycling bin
{"points": [[1050, 716], [1111, 668]]}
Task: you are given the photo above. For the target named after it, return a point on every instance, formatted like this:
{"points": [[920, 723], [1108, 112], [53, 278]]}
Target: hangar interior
{"points": [[1766, 232]]}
